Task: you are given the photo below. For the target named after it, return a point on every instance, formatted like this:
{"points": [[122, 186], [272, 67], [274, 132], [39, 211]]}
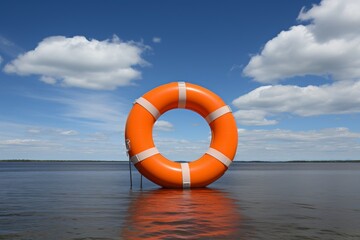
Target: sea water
{"points": [[93, 200]]}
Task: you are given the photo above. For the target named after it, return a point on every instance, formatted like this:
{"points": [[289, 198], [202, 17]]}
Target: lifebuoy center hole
{"points": [[181, 135]]}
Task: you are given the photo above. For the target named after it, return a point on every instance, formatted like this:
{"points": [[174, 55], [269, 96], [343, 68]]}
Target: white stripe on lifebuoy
{"points": [[186, 175], [217, 113], [143, 155], [149, 107], [182, 95], [219, 156]]}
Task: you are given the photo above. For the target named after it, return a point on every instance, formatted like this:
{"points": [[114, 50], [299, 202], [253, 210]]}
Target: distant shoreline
{"points": [[236, 162]]}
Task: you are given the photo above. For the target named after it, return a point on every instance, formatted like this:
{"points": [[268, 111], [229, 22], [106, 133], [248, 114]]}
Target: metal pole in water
{"points": [[127, 145], [130, 174], [140, 180]]}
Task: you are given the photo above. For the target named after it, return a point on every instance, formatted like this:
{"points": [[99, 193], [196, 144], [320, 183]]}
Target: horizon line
{"points": [[235, 161]]}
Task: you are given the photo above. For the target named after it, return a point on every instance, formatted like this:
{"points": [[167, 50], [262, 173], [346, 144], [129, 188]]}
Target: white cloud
{"points": [[19, 142], [328, 45], [89, 125], [279, 144], [284, 145], [156, 40], [79, 62], [337, 98], [48, 80], [334, 19], [99, 111], [253, 117], [274, 145], [162, 125], [50, 131], [34, 130], [22, 141], [68, 132], [181, 149]]}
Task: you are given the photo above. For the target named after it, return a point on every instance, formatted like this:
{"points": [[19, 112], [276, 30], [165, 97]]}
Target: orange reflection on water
{"points": [[182, 214]]}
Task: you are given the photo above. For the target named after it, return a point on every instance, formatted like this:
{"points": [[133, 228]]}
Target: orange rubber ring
{"points": [[162, 171]]}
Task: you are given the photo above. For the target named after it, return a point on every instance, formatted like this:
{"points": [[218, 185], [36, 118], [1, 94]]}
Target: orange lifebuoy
{"points": [[162, 171]]}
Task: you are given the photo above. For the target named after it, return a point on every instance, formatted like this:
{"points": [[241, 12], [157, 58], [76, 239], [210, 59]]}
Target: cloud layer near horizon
{"points": [[83, 63], [327, 45]]}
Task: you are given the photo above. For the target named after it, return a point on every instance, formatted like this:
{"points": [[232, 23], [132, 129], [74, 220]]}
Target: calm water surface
{"points": [[72, 200]]}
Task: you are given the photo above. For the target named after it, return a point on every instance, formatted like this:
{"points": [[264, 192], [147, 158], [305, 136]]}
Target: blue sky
{"points": [[70, 71]]}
